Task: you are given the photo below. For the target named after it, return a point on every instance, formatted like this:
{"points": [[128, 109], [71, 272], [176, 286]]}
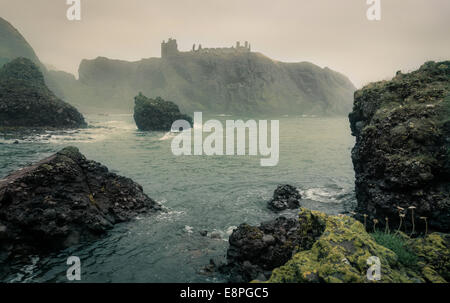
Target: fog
{"points": [[329, 33]]}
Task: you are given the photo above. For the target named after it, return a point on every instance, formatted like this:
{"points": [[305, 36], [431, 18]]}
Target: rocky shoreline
{"points": [[317, 248], [402, 160]]}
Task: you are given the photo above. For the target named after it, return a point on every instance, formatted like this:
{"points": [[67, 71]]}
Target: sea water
{"points": [[198, 193]]}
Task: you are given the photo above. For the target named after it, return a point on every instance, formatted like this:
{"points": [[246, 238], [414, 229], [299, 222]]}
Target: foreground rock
{"points": [[340, 255], [156, 114], [26, 101], [285, 197], [401, 157], [64, 200], [255, 251], [328, 249]]}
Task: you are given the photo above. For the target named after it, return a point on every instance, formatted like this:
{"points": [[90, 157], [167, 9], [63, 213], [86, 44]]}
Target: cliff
{"points": [[402, 151], [234, 82], [224, 81], [13, 44]]}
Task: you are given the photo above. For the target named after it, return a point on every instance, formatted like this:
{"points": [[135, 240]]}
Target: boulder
{"points": [[26, 101], [255, 251], [156, 114], [64, 200], [402, 151], [285, 197], [342, 252]]}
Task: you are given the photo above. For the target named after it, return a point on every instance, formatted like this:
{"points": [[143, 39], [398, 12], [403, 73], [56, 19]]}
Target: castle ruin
{"points": [[170, 48]]}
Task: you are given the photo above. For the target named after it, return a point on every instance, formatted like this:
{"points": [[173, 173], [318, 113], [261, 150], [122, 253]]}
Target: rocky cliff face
{"points": [[220, 83], [13, 44], [239, 83], [402, 152], [26, 101], [64, 200]]}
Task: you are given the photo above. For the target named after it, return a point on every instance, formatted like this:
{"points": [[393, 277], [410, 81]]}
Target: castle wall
{"points": [[170, 48]]}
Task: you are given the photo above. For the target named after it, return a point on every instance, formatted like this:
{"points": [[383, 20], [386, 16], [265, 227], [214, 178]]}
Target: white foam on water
{"points": [[189, 229], [167, 136], [230, 230], [322, 194], [223, 235], [170, 215]]}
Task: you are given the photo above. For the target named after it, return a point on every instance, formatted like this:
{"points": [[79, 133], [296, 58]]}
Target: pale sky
{"points": [[333, 33]]}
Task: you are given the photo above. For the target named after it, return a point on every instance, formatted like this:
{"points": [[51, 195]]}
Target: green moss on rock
{"points": [[434, 256], [340, 256], [402, 151]]}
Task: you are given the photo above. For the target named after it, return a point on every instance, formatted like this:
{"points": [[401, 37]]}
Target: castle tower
{"points": [[169, 48]]}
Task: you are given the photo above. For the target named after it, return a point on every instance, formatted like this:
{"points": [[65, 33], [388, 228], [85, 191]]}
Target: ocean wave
{"points": [[27, 272], [222, 234], [170, 215], [324, 194]]}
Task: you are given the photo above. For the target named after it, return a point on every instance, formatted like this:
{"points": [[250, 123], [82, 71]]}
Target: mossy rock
{"points": [[434, 256], [402, 151], [340, 255]]}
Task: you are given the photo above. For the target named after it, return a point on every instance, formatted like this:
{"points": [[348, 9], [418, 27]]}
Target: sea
{"points": [[199, 194]]}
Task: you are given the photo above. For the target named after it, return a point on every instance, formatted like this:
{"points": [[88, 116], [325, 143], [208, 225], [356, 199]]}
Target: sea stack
{"points": [[156, 114]]}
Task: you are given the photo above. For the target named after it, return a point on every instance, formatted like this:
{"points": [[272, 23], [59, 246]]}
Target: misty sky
{"points": [[329, 33]]}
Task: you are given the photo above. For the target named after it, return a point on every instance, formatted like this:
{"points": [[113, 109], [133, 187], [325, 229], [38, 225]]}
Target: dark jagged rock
{"points": [[285, 197], [156, 114], [255, 251], [64, 200], [402, 152], [26, 101]]}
